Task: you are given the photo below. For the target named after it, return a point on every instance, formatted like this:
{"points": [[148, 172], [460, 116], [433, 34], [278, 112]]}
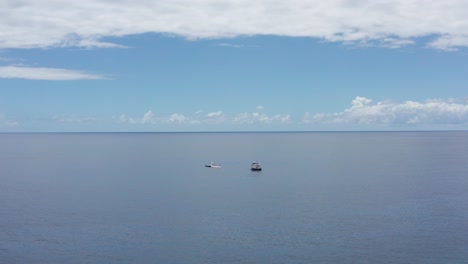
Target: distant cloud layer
{"points": [[364, 111], [86, 23], [217, 117]]}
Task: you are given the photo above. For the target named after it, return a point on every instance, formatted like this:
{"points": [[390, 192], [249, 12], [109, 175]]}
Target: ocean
{"points": [[322, 197]]}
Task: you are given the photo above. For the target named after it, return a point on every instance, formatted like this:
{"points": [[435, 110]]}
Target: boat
{"points": [[255, 166], [213, 165]]}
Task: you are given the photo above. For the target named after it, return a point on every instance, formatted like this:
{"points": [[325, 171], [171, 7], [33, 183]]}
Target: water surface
{"points": [[383, 197]]}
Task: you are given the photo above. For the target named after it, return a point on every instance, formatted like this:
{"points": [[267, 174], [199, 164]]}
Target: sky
{"points": [[243, 65]]}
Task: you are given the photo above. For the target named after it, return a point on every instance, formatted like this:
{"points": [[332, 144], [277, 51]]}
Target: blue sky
{"points": [[233, 66]]}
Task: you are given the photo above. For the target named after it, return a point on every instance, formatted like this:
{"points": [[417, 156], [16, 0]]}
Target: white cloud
{"points": [[449, 42], [217, 117], [176, 118], [253, 118], [260, 107], [217, 114], [15, 72], [363, 111], [148, 118], [86, 23]]}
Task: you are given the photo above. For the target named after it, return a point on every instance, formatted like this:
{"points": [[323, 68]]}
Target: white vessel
{"points": [[255, 166], [213, 165]]}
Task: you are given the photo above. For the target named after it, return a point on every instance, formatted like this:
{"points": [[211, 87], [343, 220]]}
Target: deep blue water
{"points": [[383, 197]]}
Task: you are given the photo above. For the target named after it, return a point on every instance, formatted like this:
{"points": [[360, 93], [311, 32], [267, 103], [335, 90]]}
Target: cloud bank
{"points": [[218, 117], [364, 112], [86, 23]]}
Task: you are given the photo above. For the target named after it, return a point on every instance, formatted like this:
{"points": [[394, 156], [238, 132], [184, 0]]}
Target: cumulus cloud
{"points": [[87, 23], [147, 118], [253, 118], [364, 111], [176, 118], [19, 72]]}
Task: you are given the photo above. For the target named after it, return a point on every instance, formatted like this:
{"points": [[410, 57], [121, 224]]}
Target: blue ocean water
{"points": [[351, 197]]}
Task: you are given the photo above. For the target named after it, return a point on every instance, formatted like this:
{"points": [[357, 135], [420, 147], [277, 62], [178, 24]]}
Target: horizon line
{"points": [[227, 132]]}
